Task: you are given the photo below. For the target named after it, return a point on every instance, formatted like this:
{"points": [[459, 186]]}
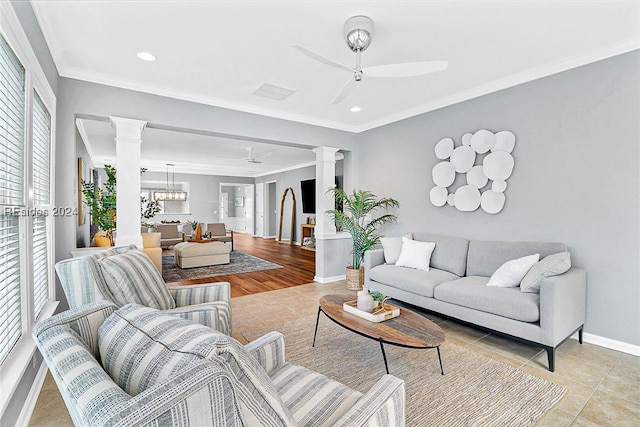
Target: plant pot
{"points": [[102, 239], [355, 278]]}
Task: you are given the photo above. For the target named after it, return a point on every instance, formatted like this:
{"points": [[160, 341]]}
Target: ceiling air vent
{"points": [[270, 91]]}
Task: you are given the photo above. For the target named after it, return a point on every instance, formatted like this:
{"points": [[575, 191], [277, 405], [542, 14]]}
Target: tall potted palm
{"points": [[355, 217]]}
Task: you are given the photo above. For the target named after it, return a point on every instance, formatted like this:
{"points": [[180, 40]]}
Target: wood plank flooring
{"points": [[298, 267]]}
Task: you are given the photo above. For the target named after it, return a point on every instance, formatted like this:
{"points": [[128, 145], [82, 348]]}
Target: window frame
{"points": [[20, 357]]}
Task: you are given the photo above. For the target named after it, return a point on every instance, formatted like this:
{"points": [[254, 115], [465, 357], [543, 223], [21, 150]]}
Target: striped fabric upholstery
{"points": [[141, 347], [198, 294], [130, 277], [268, 350], [382, 406], [312, 398], [214, 315], [78, 283]]}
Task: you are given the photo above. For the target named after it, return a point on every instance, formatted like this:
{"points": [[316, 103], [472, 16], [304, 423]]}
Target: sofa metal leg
{"points": [[580, 334], [551, 356]]}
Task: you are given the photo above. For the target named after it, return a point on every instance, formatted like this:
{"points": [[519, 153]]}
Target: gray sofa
{"points": [[455, 286]]}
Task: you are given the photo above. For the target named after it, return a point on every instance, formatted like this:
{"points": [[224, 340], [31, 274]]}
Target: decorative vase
{"points": [[366, 301], [355, 278], [199, 232], [103, 239]]}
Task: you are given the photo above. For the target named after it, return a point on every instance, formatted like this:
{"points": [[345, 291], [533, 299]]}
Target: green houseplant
{"points": [[102, 202], [355, 217]]}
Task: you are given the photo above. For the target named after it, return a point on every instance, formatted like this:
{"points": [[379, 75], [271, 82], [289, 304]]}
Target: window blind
{"points": [[12, 146], [40, 163], [12, 101]]}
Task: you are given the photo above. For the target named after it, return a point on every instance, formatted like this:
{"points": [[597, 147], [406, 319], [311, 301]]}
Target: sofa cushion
{"points": [[511, 272], [312, 398], [472, 292], [549, 266], [486, 257], [141, 347], [450, 253], [415, 254], [130, 277], [409, 279], [391, 247]]}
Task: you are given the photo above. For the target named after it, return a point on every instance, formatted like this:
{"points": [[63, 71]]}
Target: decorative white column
{"points": [[128, 140], [325, 179], [332, 249]]}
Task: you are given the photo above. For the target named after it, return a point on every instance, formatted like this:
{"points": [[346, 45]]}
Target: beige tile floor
{"points": [[603, 385]]}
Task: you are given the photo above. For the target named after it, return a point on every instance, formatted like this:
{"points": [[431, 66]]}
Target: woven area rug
{"points": [[475, 390], [239, 263]]}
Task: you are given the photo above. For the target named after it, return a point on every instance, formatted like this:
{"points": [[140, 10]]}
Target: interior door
{"points": [[260, 209]]}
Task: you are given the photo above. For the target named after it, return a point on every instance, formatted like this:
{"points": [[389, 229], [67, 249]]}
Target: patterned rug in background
{"points": [[240, 263], [475, 390]]}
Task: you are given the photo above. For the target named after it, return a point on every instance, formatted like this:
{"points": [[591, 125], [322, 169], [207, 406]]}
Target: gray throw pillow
{"points": [[548, 266]]}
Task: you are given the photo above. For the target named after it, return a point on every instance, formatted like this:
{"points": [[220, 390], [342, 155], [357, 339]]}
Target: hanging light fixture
{"points": [[170, 194]]}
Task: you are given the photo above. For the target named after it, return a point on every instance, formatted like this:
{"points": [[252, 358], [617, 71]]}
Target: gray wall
{"points": [[576, 177]]}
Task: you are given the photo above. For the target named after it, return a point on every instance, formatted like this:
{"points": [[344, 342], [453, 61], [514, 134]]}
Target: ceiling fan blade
{"points": [[407, 69], [318, 57], [345, 91]]}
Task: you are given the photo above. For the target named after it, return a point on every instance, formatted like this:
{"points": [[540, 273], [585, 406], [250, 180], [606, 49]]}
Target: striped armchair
{"points": [[137, 366], [125, 275]]}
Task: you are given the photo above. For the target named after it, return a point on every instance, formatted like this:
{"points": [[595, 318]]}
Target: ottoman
{"points": [[191, 254]]}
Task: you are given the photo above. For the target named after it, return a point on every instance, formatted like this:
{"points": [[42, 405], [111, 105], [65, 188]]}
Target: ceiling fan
{"points": [[358, 33], [251, 158]]}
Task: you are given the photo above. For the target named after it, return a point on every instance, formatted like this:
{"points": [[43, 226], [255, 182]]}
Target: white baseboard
{"points": [[621, 346], [329, 279], [32, 398]]}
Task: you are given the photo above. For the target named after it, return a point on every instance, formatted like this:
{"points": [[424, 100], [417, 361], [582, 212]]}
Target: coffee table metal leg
{"points": [[384, 356], [316, 331], [440, 359]]}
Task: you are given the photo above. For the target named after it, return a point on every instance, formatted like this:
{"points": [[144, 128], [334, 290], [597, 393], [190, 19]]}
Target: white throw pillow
{"points": [[510, 274], [392, 246], [415, 254], [548, 266]]}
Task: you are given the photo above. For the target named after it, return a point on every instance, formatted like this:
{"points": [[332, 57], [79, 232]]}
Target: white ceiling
{"points": [[195, 153], [219, 52]]}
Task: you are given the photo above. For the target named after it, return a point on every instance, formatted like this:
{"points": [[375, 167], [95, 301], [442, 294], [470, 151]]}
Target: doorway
{"points": [[236, 206]]}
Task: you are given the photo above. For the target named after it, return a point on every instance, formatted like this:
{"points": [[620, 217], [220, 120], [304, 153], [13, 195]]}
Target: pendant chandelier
{"points": [[170, 194]]}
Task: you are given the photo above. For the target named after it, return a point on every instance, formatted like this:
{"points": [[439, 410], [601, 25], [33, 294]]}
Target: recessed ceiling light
{"points": [[146, 56], [355, 109]]}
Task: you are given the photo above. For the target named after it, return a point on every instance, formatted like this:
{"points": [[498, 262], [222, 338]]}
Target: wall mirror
{"points": [[287, 217]]}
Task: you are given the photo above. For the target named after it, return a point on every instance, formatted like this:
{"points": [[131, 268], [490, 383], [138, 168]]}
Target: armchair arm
{"points": [[382, 405], [562, 305], [199, 294], [268, 350], [216, 315], [196, 393]]}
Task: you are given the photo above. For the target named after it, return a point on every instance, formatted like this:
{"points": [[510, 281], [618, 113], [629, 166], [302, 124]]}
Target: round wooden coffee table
{"points": [[407, 330]]}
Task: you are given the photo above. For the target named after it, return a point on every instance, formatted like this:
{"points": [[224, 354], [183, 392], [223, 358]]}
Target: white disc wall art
{"points": [[499, 186], [498, 165], [493, 151], [476, 177], [483, 141], [438, 196], [444, 173], [492, 202], [505, 141], [463, 158], [444, 148], [467, 198]]}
